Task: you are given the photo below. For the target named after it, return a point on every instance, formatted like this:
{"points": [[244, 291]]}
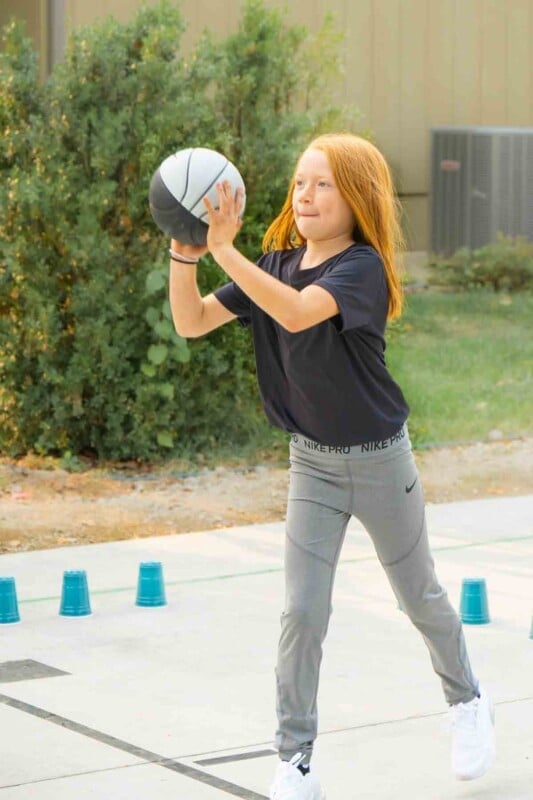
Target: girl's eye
{"points": [[299, 182]]}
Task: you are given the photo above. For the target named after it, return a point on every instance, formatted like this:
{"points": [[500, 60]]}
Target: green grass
{"points": [[465, 364]]}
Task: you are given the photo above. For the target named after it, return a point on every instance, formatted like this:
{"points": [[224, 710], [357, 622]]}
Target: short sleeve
{"points": [[357, 282], [234, 299]]}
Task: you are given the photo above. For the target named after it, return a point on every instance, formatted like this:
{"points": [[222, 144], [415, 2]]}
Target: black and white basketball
{"points": [[178, 187]]}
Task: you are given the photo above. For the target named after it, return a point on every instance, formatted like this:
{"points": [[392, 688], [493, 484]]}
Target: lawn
{"points": [[465, 364]]}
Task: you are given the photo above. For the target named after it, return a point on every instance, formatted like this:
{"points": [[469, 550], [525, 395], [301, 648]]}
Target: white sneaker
{"points": [[290, 784], [474, 741]]}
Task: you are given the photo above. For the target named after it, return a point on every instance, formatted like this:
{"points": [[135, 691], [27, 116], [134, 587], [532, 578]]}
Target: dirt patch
{"points": [[43, 508]]}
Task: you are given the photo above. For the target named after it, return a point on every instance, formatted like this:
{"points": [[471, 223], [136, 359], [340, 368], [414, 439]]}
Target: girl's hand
{"points": [[224, 221], [188, 250]]}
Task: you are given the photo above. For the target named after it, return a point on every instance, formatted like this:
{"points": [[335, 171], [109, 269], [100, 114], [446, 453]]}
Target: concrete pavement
{"points": [[178, 702]]}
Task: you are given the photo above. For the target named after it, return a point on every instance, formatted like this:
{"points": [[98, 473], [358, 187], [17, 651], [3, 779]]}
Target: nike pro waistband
{"points": [[368, 448]]}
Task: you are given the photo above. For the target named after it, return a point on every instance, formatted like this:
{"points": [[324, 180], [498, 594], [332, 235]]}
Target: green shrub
{"points": [[506, 265], [89, 360]]}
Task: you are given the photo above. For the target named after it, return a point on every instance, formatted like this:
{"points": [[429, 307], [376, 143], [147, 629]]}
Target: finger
{"points": [[219, 201], [239, 201], [209, 205], [224, 195]]}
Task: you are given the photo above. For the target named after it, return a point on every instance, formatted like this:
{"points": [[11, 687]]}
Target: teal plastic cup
{"points": [[9, 609], [474, 603], [75, 600], [150, 585]]}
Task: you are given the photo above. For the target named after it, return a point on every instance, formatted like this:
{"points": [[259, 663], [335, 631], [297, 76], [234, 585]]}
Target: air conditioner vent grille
{"points": [[482, 184]]}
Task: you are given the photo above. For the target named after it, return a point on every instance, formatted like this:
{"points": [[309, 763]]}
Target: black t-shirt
{"points": [[328, 382]]}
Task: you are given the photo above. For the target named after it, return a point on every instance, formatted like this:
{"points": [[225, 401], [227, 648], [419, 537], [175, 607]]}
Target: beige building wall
{"points": [[409, 65]]}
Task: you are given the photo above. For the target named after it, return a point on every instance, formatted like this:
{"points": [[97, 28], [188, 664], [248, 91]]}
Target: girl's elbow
{"points": [[292, 322], [295, 323], [290, 326], [181, 330], [186, 331]]}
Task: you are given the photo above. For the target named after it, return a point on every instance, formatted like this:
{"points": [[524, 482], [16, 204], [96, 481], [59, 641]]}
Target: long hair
{"points": [[364, 180]]}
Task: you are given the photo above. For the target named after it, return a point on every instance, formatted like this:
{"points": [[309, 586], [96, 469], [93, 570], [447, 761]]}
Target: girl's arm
{"points": [[294, 310], [193, 315]]}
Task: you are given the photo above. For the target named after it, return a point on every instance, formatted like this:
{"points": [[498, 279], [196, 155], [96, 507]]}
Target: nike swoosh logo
{"points": [[411, 487]]}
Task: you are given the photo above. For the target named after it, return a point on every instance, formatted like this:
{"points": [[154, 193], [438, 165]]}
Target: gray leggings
{"points": [[377, 483]]}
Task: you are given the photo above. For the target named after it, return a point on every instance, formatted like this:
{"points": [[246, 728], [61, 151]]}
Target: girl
{"points": [[317, 303]]}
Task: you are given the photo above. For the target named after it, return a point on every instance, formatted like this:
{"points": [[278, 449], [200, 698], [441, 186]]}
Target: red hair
{"points": [[364, 180]]}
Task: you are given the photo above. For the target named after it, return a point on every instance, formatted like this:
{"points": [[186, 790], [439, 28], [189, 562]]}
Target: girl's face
{"points": [[320, 211]]}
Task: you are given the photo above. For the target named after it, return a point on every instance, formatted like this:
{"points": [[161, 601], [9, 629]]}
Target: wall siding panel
{"points": [[386, 97], [440, 74], [413, 121], [493, 41], [467, 63], [518, 78], [359, 75]]}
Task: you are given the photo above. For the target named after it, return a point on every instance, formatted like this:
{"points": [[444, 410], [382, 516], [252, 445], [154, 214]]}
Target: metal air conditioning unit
{"points": [[481, 185]]}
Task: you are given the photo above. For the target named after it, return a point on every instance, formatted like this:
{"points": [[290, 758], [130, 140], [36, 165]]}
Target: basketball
{"points": [[178, 187]]}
